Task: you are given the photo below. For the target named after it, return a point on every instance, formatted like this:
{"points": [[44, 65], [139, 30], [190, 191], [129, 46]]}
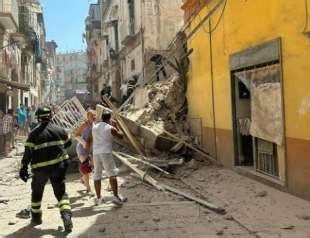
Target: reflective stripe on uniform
{"points": [[64, 202], [50, 162], [44, 115], [35, 204], [46, 144], [28, 144], [36, 210], [65, 207]]}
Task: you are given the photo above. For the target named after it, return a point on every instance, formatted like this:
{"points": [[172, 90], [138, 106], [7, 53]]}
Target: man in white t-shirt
{"points": [[103, 134]]}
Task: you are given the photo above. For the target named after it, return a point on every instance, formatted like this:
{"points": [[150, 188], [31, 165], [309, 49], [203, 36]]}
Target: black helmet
{"points": [[44, 112], [106, 116]]}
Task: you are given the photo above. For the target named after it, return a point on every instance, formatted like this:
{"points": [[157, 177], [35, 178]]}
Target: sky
{"points": [[64, 22]]}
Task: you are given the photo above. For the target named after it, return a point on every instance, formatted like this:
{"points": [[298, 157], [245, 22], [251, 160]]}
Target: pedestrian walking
{"points": [[8, 128], [45, 150], [2, 139], [84, 137], [103, 134]]}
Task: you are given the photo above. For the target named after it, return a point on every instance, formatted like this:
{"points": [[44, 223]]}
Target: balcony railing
{"points": [[9, 13]]}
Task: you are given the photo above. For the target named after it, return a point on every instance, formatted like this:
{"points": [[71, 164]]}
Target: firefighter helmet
{"points": [[43, 112]]}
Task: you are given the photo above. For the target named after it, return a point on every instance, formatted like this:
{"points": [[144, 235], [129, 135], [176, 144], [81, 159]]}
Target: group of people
{"points": [[26, 120], [12, 124], [46, 153], [94, 150]]}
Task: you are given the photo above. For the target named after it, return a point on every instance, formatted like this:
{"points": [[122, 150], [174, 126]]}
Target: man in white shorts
{"points": [[103, 134]]}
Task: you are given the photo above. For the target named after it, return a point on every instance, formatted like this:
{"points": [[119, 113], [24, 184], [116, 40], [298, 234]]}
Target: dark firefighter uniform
{"points": [[45, 151]]}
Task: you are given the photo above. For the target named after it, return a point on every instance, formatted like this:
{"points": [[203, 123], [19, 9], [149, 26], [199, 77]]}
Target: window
{"points": [[133, 65], [131, 14]]}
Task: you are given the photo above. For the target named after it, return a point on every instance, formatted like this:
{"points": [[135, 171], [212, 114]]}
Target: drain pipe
{"points": [[212, 88]]}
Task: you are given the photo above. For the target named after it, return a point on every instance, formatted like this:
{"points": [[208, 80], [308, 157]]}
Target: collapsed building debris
{"points": [[164, 113], [157, 118], [157, 108], [166, 188]]}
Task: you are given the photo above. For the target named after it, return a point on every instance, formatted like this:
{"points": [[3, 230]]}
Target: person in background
{"points": [[83, 148], [22, 118], [157, 59], [15, 129], [2, 139], [32, 118], [27, 127], [103, 134], [132, 84], [8, 130], [124, 91]]}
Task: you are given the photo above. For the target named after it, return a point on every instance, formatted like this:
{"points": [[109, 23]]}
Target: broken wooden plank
{"points": [[199, 151], [143, 176], [143, 162], [193, 198], [123, 126], [163, 187]]}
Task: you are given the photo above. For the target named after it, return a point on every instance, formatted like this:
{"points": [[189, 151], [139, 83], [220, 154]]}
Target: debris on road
{"points": [[290, 227], [24, 214], [4, 201], [261, 194], [102, 230], [163, 187], [303, 217], [12, 223]]}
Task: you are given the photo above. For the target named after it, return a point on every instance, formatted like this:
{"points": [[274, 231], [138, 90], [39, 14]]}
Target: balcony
{"points": [[7, 76], [4, 69], [9, 14]]}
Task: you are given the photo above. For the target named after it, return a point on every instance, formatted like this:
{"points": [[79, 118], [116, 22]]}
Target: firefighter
{"points": [[45, 151]]}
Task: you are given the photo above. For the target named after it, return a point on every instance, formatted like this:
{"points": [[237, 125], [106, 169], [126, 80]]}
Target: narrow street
{"points": [[168, 118], [253, 209]]}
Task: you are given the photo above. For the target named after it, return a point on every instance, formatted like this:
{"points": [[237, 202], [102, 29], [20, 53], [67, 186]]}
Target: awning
{"points": [[14, 84]]}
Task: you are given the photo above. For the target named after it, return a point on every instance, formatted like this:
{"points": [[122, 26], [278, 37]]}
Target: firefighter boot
{"points": [[36, 218], [66, 218]]}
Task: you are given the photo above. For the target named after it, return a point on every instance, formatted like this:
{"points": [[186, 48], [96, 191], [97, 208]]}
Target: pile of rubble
{"points": [[160, 107]]}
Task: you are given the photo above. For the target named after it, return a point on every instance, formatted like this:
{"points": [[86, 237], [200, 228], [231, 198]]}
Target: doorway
{"points": [[257, 114], [242, 118]]}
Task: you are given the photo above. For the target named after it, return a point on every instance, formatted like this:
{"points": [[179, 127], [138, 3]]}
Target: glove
{"points": [[23, 173]]}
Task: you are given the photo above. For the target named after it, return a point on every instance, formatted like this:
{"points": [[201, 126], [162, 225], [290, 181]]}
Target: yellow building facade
{"points": [[234, 38]]}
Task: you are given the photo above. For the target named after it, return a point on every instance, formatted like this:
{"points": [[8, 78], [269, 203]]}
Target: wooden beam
{"points": [[163, 187], [123, 126], [193, 198], [142, 175], [199, 151], [143, 162], [188, 53], [172, 65]]}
